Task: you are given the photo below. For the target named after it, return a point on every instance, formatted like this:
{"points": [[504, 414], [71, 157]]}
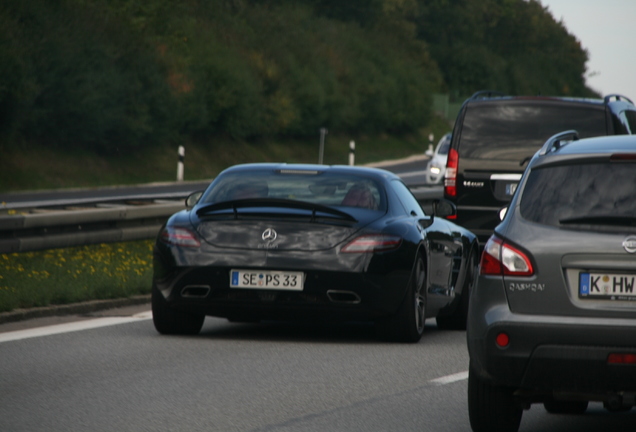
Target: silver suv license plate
{"points": [[607, 286]]}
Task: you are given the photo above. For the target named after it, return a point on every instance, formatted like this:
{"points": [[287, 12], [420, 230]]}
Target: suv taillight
{"points": [[499, 258], [450, 178]]}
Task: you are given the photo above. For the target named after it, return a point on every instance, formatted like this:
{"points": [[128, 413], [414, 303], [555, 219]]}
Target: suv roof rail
{"points": [[484, 94], [618, 97], [557, 141]]}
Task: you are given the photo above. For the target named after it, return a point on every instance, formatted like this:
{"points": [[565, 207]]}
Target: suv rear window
{"points": [[599, 195], [515, 130]]}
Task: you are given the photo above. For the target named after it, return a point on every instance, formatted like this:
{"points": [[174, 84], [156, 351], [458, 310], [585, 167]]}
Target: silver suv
{"points": [[552, 319]]}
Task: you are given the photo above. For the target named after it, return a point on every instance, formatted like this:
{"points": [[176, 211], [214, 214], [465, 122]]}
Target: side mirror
{"points": [[444, 208], [502, 212], [193, 199]]}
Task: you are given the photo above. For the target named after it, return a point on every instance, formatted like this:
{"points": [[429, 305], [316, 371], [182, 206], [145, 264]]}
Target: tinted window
{"points": [[407, 199], [512, 131], [561, 195], [630, 119], [444, 146], [326, 188], [621, 126]]}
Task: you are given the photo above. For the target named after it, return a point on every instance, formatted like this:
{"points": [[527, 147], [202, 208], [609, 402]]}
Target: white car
{"points": [[436, 167]]}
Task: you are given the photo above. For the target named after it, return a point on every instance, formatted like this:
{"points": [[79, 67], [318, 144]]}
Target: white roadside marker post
{"points": [[180, 163], [352, 153]]}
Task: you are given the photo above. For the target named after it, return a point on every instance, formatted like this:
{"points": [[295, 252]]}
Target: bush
{"points": [[112, 76]]}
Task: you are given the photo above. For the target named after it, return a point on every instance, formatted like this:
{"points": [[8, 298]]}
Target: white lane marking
{"points": [[71, 327], [411, 174], [450, 378]]}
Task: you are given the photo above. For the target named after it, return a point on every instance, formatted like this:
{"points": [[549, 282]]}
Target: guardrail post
{"points": [[180, 163], [321, 152]]}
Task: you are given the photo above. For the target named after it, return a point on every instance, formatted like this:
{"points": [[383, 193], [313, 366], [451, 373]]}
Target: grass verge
{"points": [[63, 276]]}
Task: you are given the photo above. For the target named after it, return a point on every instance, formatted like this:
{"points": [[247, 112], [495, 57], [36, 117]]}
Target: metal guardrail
{"points": [[52, 225], [81, 224]]}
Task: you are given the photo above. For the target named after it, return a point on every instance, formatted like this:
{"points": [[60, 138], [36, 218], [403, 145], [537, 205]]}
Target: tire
{"points": [[491, 408], [407, 325], [457, 320], [171, 321], [565, 407], [616, 409]]}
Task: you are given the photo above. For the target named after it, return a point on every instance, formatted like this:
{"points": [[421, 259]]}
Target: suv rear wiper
{"points": [[277, 203], [601, 220]]}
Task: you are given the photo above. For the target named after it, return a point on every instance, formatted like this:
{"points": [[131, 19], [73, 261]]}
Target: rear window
{"points": [[514, 131], [326, 188], [587, 195], [444, 146]]}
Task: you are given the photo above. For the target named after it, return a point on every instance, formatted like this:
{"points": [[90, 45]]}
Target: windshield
{"points": [[444, 145], [515, 130], [325, 188], [599, 194]]}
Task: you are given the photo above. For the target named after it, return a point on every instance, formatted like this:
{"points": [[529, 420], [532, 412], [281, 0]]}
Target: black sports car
{"points": [[287, 242]]}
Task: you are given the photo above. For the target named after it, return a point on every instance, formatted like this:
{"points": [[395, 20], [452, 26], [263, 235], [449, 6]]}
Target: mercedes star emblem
{"points": [[269, 235]]}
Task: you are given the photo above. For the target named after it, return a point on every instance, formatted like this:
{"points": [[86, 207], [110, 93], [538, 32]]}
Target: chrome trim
{"points": [[195, 291], [629, 244], [338, 296], [511, 177]]}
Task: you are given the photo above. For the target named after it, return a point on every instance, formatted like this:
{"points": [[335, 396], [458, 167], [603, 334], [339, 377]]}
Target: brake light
{"points": [[372, 243], [179, 237], [500, 258], [450, 178], [616, 358], [623, 157]]}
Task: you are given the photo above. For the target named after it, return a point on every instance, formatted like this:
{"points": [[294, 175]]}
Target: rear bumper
{"points": [[326, 295], [553, 354]]}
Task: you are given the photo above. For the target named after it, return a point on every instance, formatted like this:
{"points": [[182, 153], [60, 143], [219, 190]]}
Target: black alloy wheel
{"points": [[407, 325], [168, 320], [458, 318]]}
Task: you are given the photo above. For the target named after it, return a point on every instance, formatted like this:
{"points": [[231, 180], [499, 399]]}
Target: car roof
{"points": [[587, 149], [376, 173], [615, 102], [600, 145], [538, 100]]}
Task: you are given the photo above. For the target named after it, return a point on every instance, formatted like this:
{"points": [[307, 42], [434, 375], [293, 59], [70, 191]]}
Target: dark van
{"points": [[495, 136]]}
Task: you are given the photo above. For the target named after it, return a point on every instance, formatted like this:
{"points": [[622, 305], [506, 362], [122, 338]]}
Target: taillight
{"points": [[500, 258], [622, 358], [179, 237], [450, 178], [623, 157], [372, 243]]}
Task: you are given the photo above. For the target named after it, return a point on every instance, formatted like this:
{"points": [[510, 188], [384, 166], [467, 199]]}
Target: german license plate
{"points": [[607, 286], [277, 280]]}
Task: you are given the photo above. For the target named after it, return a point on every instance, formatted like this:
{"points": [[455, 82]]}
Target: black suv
{"points": [[495, 136]]}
